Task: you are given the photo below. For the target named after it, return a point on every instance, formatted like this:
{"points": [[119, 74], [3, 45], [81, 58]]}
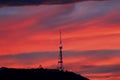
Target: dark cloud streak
{"points": [[37, 2], [93, 54]]}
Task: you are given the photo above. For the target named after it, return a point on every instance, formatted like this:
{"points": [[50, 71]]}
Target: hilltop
{"points": [[38, 74]]}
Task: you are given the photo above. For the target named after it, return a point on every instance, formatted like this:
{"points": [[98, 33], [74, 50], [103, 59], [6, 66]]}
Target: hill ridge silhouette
{"points": [[38, 74]]}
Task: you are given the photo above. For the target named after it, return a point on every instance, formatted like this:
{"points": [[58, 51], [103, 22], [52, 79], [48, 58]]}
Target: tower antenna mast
{"points": [[60, 60]]}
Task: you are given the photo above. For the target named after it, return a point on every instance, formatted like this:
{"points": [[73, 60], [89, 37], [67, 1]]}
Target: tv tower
{"points": [[60, 61]]}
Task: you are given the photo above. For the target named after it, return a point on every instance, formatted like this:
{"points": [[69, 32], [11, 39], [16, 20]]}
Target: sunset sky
{"points": [[29, 37]]}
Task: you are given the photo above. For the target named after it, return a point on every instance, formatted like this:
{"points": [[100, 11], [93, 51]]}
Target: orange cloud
{"points": [[105, 76]]}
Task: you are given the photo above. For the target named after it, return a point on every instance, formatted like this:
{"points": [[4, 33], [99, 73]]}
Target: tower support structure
{"points": [[60, 60]]}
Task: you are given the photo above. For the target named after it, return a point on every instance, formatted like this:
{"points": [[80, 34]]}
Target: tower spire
{"points": [[60, 60]]}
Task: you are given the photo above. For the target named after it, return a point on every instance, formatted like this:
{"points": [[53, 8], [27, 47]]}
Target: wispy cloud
{"points": [[95, 27], [99, 63]]}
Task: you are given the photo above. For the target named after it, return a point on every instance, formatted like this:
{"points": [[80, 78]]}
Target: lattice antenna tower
{"points": [[60, 59]]}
